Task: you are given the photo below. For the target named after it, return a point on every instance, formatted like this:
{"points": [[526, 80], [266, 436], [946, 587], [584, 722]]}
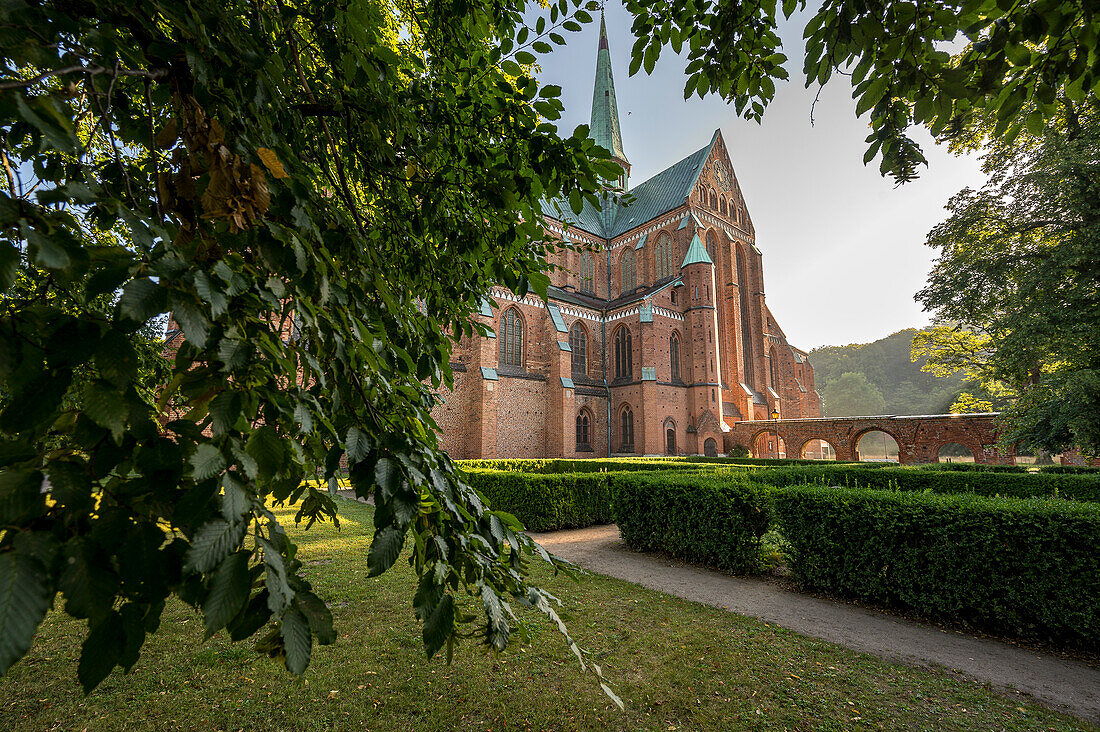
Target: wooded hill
{"points": [[880, 378]]}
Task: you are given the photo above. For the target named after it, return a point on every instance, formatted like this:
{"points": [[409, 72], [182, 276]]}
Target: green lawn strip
{"points": [[676, 664]]}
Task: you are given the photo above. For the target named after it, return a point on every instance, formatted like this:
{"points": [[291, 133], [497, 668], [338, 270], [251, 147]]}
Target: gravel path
{"points": [[1070, 685]]}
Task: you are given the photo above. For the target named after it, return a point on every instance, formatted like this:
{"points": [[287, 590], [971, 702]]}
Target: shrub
{"points": [[546, 502], [546, 466], [1027, 568], [1019, 485], [694, 517]]}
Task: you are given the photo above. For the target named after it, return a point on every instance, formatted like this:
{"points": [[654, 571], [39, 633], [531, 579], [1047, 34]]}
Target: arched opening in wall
{"points": [[674, 357], [712, 247], [710, 447], [627, 272], [578, 346], [588, 273], [954, 452], [818, 450], [670, 437], [664, 261], [773, 357], [584, 431], [511, 339], [876, 447], [746, 318], [769, 444], [626, 429], [1025, 456], [624, 354]]}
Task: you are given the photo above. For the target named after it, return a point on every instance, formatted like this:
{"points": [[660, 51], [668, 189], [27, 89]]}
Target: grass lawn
{"points": [[676, 664]]}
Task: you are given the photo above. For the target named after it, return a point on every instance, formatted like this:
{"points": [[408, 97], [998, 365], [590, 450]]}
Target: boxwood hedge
{"points": [[697, 518], [1023, 567], [547, 502], [546, 466], [1083, 487]]}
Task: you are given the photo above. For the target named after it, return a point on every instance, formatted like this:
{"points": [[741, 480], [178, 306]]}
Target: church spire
{"points": [[605, 112]]}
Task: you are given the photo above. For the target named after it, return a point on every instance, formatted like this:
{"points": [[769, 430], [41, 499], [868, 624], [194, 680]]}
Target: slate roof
{"points": [[660, 194]]}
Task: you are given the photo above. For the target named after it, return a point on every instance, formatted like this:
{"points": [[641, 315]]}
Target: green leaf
{"points": [[47, 115], [24, 600], [116, 358], [9, 265], [439, 625], [251, 619], [36, 402], [1036, 123], [297, 640], [228, 592], [388, 477], [268, 450], [47, 250], [385, 548], [206, 462], [141, 300], [318, 615], [358, 445], [106, 406], [101, 651], [212, 543], [87, 582], [21, 496]]}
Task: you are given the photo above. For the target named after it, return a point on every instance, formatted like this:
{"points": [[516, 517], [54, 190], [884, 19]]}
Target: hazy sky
{"points": [[843, 247]]}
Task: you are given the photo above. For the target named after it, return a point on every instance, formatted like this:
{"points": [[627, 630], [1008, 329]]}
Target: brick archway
{"points": [[919, 438]]}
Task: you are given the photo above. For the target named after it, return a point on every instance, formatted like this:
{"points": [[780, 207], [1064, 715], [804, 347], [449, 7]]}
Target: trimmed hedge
{"points": [[1018, 485], [697, 518], [549, 466], [974, 468], [1026, 568], [547, 502]]}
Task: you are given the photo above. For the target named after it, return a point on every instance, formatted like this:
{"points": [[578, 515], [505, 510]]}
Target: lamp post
{"points": [[775, 415]]}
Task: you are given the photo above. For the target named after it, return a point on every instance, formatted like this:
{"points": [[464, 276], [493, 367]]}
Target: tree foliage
{"points": [[905, 385], [1019, 272], [1019, 57], [852, 395], [320, 193]]}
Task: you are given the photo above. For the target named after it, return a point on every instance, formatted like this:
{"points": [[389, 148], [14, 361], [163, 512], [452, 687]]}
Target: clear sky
{"points": [[843, 247]]}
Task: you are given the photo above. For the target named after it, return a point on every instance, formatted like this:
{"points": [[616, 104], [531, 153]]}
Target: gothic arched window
{"points": [[773, 357], [583, 422], [511, 339], [674, 356], [587, 273], [663, 254], [624, 354], [626, 429], [746, 318], [628, 271], [578, 343]]}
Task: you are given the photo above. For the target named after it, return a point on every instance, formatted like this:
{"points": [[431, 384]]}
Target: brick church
{"points": [[655, 336]]}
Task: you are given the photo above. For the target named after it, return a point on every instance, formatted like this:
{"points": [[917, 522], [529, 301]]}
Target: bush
{"points": [[694, 517], [1026, 568], [547, 466], [1071, 469], [975, 468], [547, 502], [1017, 485]]}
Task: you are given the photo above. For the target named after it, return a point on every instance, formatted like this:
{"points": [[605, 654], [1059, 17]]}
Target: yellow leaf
{"points": [[271, 161]]}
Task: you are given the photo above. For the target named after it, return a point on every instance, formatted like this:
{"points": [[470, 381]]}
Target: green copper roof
{"points": [[605, 112], [697, 253], [660, 194]]}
